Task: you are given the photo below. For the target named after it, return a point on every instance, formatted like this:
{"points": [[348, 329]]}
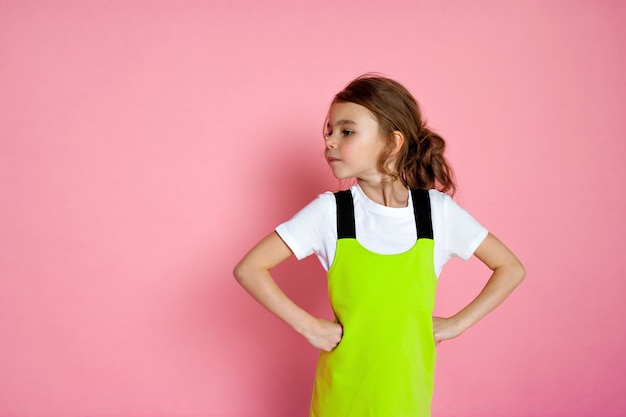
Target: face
{"points": [[353, 142]]}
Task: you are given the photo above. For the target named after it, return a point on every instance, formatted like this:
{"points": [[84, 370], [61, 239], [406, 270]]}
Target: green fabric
{"points": [[384, 364]]}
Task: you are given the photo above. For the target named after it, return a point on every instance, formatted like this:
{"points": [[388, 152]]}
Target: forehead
{"points": [[341, 112]]}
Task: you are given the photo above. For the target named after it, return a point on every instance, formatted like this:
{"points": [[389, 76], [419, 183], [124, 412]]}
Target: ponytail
{"points": [[425, 165]]}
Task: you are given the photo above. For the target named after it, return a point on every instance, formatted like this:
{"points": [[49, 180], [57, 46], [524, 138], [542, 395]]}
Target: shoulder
{"points": [[304, 233], [318, 209], [437, 196], [445, 207], [445, 204], [438, 202], [323, 202], [461, 232]]}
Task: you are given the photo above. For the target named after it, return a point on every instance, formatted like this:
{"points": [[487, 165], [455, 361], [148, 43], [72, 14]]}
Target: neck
{"points": [[386, 193]]}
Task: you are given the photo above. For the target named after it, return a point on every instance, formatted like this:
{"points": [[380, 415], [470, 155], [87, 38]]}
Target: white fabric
{"points": [[381, 229]]}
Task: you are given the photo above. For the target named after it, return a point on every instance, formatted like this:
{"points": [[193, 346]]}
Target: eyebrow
{"points": [[342, 123]]}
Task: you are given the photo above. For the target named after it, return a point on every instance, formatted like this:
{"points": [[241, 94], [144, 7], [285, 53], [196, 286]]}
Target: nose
{"points": [[330, 141]]}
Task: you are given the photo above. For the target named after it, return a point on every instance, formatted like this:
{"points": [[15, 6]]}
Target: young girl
{"points": [[383, 242]]}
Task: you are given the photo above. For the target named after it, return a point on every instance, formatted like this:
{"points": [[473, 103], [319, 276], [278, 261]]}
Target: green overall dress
{"points": [[384, 364]]}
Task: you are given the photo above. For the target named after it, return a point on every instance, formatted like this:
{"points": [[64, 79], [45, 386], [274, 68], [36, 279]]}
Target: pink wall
{"points": [[144, 146]]}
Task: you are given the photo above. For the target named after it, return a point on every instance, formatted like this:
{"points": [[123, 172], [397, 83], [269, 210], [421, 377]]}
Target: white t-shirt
{"points": [[381, 229]]}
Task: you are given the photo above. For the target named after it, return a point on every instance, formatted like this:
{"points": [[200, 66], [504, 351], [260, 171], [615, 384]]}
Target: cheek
{"points": [[354, 151]]}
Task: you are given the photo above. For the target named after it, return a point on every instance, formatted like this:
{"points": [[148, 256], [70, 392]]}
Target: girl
{"points": [[383, 242]]}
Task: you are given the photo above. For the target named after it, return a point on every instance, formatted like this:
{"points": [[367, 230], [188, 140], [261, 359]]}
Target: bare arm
{"points": [[508, 273], [253, 273]]}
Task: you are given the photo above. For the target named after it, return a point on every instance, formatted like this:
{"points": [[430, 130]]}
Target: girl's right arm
{"points": [[253, 273]]}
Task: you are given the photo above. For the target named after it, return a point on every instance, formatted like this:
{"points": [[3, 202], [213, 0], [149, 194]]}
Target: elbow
{"points": [[239, 272], [513, 273], [245, 272], [518, 273]]}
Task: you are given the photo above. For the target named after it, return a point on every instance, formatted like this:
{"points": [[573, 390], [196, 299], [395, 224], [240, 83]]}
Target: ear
{"points": [[398, 139]]}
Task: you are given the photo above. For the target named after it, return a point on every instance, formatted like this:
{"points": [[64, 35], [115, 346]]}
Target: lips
{"points": [[332, 159]]}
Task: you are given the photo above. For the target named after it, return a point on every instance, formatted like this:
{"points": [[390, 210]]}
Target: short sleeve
{"points": [[304, 232], [463, 234]]}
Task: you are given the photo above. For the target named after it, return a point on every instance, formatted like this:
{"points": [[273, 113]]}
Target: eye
{"points": [[347, 132], [328, 134]]}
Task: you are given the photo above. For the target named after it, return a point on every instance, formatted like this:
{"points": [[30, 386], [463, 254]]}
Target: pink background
{"points": [[145, 146]]}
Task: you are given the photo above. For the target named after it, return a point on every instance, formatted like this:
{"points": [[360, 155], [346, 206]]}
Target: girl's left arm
{"points": [[508, 273]]}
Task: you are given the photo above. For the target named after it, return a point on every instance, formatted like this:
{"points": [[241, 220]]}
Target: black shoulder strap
{"points": [[421, 209], [345, 215]]}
